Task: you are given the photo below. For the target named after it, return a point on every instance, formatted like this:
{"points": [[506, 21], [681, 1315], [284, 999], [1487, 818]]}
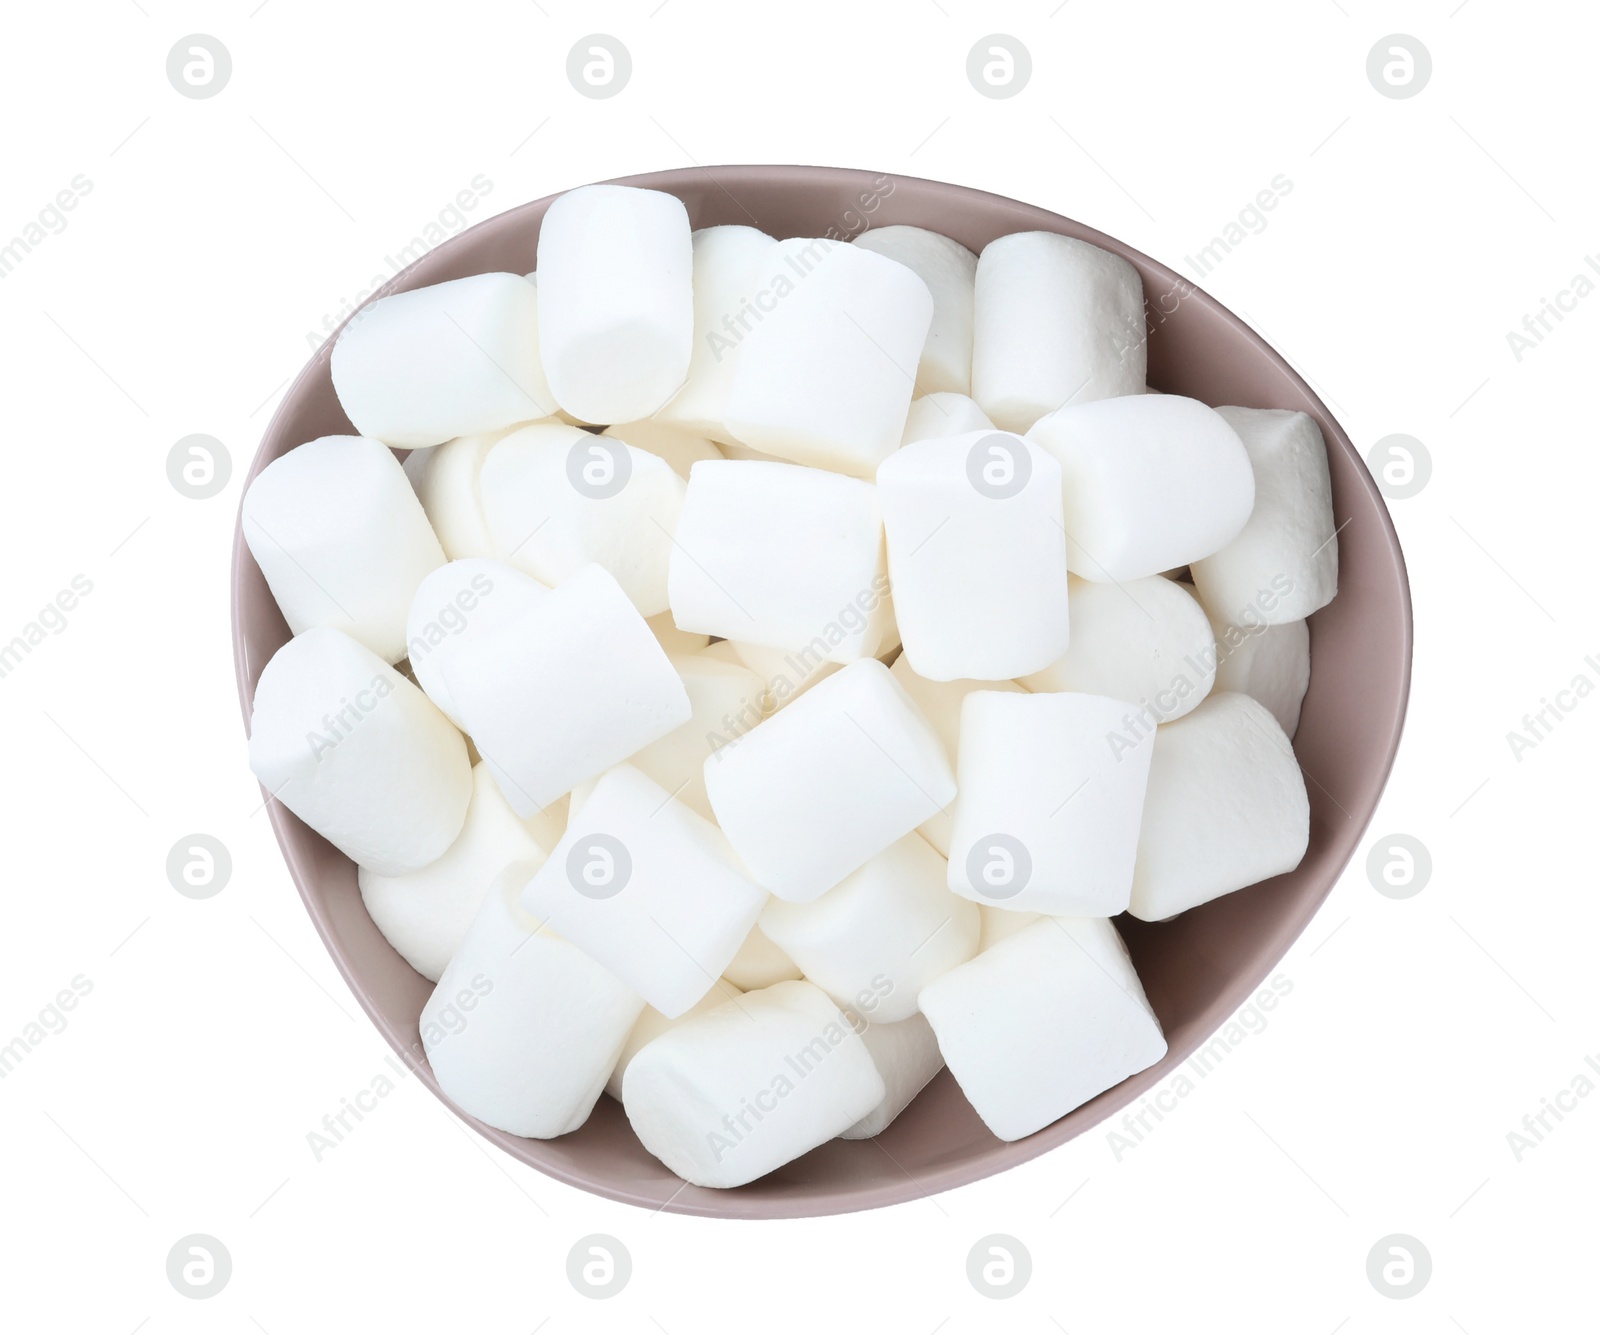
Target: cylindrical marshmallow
{"points": [[948, 268], [358, 753], [1146, 641], [1055, 321], [1148, 482], [1284, 563], [421, 367], [826, 376], [728, 1096], [616, 302], [728, 264], [341, 539], [977, 555]]}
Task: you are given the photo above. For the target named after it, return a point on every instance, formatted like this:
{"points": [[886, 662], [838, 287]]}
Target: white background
{"points": [[217, 1034]]}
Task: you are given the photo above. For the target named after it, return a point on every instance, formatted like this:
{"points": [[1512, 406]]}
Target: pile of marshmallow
{"points": [[697, 698]]}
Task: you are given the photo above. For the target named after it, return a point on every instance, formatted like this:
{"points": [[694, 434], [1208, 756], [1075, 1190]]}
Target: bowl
{"points": [[1197, 969]]}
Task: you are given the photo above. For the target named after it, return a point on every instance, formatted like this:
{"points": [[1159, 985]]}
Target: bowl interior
{"points": [[1196, 969]]}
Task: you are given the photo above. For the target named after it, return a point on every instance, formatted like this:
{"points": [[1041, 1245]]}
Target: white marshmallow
{"points": [[651, 1024], [358, 753], [1042, 1022], [673, 640], [649, 889], [940, 703], [730, 1095], [425, 914], [1149, 482], [785, 557], [1284, 563], [726, 700], [524, 1028], [1226, 808], [977, 555], [421, 367], [826, 377], [810, 794], [445, 479], [1051, 796], [1146, 641], [759, 963], [997, 923], [874, 940], [728, 269], [1055, 321], [948, 268], [616, 301], [557, 497], [907, 1057], [934, 416], [341, 539], [1271, 664], [566, 691], [678, 447], [453, 609]]}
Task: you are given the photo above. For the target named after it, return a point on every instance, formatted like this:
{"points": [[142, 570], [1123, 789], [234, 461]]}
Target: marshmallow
{"points": [[907, 1056], [1055, 321], [947, 267], [1226, 808], [728, 262], [673, 640], [649, 889], [759, 963], [1051, 796], [1271, 664], [785, 557], [358, 753], [557, 497], [420, 367], [1146, 641], [937, 415], [996, 924], [651, 1024], [940, 703], [874, 940], [616, 300], [445, 479], [524, 1028], [977, 555], [810, 794], [678, 447], [1042, 1022], [425, 914], [1284, 563], [826, 377], [786, 674], [730, 1095], [726, 701], [453, 609], [341, 539], [1148, 482], [573, 687]]}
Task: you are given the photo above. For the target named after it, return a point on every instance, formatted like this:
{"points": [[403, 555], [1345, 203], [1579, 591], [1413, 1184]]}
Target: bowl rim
{"points": [[732, 1203]]}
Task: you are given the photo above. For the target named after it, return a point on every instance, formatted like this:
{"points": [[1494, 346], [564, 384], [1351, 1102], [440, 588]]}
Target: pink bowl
{"points": [[1196, 969]]}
